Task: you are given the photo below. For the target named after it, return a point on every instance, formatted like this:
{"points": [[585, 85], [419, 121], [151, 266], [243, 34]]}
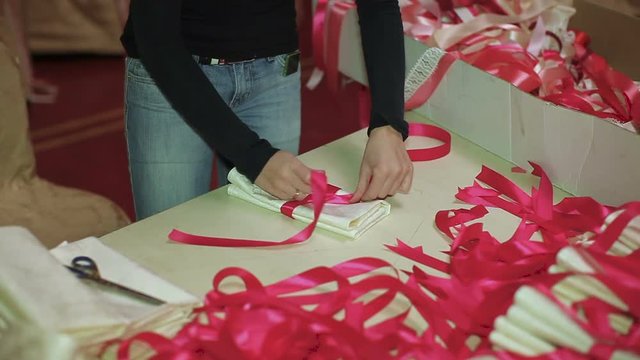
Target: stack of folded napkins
{"points": [[534, 325], [48, 313], [350, 220], [629, 240]]}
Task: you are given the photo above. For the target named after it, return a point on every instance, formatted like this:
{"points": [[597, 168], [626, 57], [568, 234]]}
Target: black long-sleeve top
{"points": [[164, 34]]}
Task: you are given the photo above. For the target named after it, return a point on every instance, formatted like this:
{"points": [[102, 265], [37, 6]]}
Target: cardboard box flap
{"points": [[613, 35]]}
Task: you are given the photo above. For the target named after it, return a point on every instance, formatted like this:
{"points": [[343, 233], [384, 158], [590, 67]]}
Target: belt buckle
{"points": [[229, 62]]}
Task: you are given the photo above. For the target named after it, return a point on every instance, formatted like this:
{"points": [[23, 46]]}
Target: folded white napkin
{"points": [[40, 297], [535, 325], [350, 220]]}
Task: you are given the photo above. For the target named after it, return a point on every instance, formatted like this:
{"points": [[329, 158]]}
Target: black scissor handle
{"points": [[85, 268], [86, 265]]}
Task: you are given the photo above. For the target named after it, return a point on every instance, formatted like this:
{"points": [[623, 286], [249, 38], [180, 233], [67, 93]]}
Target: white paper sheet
{"points": [[38, 293]]}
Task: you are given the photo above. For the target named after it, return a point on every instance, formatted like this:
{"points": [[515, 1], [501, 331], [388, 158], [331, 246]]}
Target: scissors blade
{"points": [[128, 291], [115, 286]]}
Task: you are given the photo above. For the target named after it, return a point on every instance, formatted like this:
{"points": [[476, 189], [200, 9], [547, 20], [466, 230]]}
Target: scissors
{"points": [[85, 268]]}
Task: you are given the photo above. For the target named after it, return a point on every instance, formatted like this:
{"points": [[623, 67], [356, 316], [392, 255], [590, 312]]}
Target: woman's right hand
{"points": [[285, 177]]}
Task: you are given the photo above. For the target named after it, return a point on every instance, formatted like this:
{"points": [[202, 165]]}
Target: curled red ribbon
{"points": [[270, 321]]}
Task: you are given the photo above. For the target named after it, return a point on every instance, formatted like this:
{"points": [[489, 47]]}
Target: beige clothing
{"points": [[53, 213], [73, 26]]}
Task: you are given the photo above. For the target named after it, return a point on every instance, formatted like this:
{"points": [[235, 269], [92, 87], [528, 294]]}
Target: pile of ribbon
{"points": [[527, 43], [562, 286], [524, 42], [565, 284]]}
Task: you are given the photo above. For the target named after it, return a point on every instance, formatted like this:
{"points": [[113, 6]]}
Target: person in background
{"points": [[122, 7], [51, 212], [221, 75]]}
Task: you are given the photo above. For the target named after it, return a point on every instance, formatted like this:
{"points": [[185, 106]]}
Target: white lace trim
{"points": [[422, 70]]}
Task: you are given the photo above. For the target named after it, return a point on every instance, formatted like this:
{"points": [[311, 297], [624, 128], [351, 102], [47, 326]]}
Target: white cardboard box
{"points": [[584, 155]]}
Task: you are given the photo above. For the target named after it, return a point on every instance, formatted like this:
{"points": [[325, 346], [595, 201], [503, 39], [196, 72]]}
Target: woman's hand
{"points": [[386, 168], [285, 177]]}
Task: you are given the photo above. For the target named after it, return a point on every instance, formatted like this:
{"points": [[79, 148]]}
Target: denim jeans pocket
{"points": [[137, 72], [288, 63], [281, 59], [141, 90]]}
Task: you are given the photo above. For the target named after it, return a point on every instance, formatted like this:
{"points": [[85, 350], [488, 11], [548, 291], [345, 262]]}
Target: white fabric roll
{"points": [[350, 220]]}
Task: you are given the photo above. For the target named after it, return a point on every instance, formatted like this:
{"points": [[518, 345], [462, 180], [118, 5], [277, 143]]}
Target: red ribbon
{"points": [[511, 63], [327, 27], [318, 199], [433, 132], [270, 322], [485, 273], [330, 198], [321, 313], [335, 19], [321, 194], [318, 33]]}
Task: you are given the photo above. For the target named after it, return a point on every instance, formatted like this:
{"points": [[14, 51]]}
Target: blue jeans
{"points": [[168, 162]]}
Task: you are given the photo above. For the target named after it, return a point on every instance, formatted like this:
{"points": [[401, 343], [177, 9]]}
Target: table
{"points": [[218, 214]]}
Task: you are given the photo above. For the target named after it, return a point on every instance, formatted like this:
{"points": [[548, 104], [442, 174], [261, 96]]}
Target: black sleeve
{"points": [[383, 47], [156, 24]]}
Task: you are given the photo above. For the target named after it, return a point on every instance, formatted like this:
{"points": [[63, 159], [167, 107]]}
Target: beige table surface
{"points": [[218, 214]]}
